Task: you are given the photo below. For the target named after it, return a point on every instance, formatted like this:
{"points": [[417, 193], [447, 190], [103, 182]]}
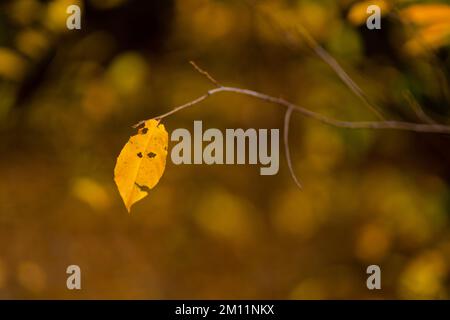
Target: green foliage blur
{"points": [[68, 99]]}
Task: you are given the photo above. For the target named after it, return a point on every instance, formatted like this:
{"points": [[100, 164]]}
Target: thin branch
{"points": [[328, 59], [189, 104], [206, 74], [325, 56], [415, 106], [379, 125], [287, 118], [395, 125], [174, 110]]}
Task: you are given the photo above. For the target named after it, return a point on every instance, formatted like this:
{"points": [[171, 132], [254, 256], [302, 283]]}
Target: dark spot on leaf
{"points": [[142, 187], [151, 155], [139, 154]]}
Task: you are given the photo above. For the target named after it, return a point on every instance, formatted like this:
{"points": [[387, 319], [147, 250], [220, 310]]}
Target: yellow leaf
{"points": [[141, 162], [425, 14], [432, 22], [431, 37]]}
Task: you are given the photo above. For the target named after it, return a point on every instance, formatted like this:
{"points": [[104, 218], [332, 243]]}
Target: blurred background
{"points": [[68, 99]]}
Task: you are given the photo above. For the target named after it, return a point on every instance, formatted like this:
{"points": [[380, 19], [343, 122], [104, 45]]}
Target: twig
{"points": [[287, 118], [417, 108], [206, 74], [394, 125], [326, 57], [189, 104], [380, 125]]}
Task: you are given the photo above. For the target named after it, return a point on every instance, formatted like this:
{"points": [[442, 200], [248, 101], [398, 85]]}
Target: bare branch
{"points": [[137, 125], [206, 74], [289, 36], [287, 118], [395, 125], [417, 108], [328, 59], [186, 105], [379, 125]]}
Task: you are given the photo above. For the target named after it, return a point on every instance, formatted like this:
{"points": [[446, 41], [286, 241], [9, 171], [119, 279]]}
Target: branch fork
{"points": [[428, 127]]}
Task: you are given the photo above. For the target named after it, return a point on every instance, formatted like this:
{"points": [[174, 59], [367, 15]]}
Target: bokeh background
{"points": [[68, 100]]}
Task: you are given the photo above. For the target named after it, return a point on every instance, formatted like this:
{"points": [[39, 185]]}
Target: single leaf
{"points": [[432, 27], [141, 162], [426, 14]]}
